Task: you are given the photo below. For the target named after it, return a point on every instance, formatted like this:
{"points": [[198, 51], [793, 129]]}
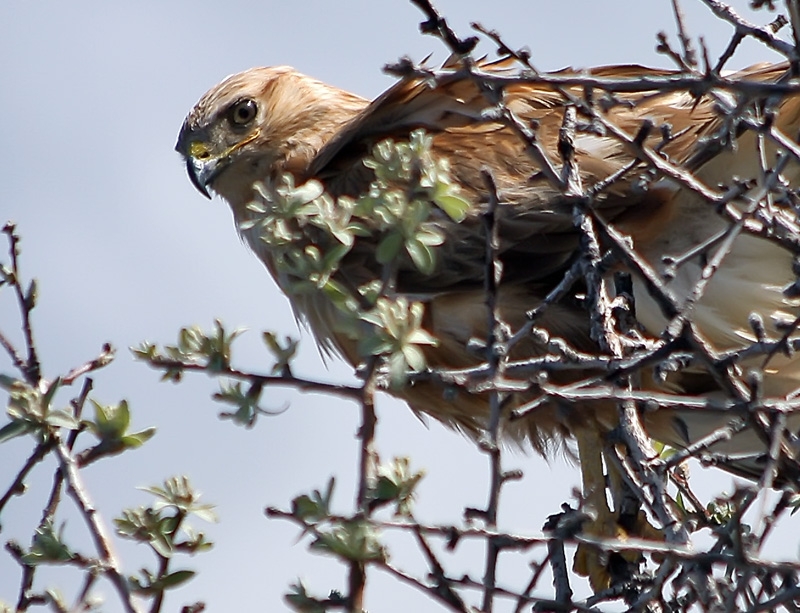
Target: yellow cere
{"points": [[198, 149]]}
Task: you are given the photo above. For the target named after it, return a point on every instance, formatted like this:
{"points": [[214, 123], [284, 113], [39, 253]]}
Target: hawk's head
{"points": [[256, 123]]}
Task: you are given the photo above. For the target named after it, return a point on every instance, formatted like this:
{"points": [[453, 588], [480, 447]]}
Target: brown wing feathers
{"points": [[318, 131]]}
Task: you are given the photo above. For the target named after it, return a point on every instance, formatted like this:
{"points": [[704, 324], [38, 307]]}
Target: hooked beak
{"points": [[202, 173], [203, 163]]}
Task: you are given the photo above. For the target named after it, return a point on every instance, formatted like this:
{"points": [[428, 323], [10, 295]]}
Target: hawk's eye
{"points": [[243, 112]]}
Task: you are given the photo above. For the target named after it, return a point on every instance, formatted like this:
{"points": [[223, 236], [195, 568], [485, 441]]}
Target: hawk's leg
{"points": [[603, 567], [590, 561]]}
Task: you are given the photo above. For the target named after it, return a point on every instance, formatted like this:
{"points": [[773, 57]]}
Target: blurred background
{"points": [[92, 95]]}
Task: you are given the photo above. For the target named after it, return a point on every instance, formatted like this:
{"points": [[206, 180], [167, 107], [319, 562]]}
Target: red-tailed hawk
{"points": [[268, 130]]}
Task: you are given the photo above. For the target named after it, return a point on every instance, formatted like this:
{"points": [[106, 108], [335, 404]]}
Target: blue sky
{"points": [[93, 96]]}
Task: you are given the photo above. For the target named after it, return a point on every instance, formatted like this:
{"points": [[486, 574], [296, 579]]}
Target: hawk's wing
{"points": [[536, 222]]}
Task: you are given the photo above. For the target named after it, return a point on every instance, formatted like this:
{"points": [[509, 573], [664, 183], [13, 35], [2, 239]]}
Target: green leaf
{"points": [[422, 256], [314, 507], [421, 337], [137, 439], [398, 368], [340, 296], [414, 357], [357, 541], [429, 236], [679, 502], [14, 429], [162, 544], [305, 507], [60, 604], [145, 351], [454, 206], [47, 546], [205, 512], [394, 482], [174, 579], [374, 345], [151, 585], [667, 452], [386, 489], [308, 191], [301, 601], [62, 419], [389, 247], [47, 399], [111, 421], [333, 256], [7, 382], [283, 353], [31, 296]]}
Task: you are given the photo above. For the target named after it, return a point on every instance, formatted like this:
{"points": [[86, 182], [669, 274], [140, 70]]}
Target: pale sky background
{"points": [[92, 95]]}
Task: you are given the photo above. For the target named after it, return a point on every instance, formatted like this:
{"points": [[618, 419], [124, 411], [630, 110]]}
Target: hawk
{"points": [[681, 182]]}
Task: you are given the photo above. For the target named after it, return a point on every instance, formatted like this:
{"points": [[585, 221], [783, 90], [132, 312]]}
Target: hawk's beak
{"points": [[202, 164], [202, 172]]}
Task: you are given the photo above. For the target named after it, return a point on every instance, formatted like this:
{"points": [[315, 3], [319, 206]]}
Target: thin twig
{"points": [[494, 354], [689, 55], [765, 35], [26, 300], [304, 385], [17, 487], [98, 532]]}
